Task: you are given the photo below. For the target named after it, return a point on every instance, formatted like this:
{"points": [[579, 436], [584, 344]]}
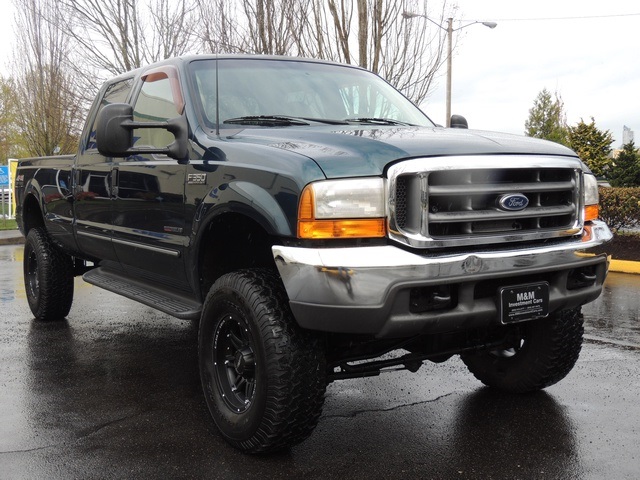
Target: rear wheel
{"points": [[539, 354], [48, 277], [263, 377]]}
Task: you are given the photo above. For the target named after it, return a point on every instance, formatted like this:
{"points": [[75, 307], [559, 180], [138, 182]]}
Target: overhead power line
{"points": [[583, 17]]}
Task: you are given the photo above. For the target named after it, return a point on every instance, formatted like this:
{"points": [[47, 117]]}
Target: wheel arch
{"points": [[228, 242], [31, 215], [240, 222]]}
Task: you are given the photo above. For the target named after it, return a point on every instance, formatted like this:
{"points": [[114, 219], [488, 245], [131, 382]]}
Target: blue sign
{"points": [[4, 176]]}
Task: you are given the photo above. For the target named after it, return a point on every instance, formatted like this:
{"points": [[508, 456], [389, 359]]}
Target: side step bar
{"points": [[166, 301]]}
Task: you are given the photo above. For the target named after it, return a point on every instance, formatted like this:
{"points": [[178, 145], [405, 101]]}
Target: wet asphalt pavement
{"points": [[113, 392]]}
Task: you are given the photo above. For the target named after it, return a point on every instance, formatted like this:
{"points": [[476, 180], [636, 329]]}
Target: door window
{"points": [[159, 100], [117, 92]]}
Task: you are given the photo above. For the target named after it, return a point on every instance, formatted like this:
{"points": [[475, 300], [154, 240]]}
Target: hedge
{"points": [[620, 207]]}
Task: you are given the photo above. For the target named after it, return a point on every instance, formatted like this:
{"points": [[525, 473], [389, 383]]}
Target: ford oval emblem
{"points": [[513, 202]]}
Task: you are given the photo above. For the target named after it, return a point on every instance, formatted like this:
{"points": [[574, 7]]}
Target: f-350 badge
{"points": [[197, 179]]}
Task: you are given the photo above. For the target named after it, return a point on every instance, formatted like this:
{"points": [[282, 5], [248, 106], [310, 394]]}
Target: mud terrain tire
{"points": [[263, 377], [543, 354], [48, 277]]}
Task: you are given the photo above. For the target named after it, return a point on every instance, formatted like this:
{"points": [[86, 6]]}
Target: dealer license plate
{"points": [[524, 302]]}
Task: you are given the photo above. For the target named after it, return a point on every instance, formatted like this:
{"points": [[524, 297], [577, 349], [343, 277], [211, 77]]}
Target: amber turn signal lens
{"points": [[319, 229], [325, 228], [591, 212], [306, 205]]}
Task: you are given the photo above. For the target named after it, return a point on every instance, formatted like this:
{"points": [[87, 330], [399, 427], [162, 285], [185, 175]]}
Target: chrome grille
{"points": [[456, 201]]}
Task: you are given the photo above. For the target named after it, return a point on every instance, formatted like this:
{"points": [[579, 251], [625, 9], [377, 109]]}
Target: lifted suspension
{"points": [[412, 361]]}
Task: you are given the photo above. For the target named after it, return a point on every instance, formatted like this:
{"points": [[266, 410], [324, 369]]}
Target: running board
{"points": [[166, 301]]}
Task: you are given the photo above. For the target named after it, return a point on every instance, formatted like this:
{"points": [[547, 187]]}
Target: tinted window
{"points": [[116, 93], [155, 103]]}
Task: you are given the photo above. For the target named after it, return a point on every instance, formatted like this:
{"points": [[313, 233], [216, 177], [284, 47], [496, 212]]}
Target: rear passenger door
{"points": [[148, 200]]}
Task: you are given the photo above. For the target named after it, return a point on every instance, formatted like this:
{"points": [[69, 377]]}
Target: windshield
{"points": [[266, 89]]}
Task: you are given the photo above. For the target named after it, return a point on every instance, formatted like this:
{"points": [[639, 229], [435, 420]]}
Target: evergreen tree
{"points": [[625, 171], [593, 146], [547, 119]]}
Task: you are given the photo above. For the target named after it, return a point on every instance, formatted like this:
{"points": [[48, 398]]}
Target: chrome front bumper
{"points": [[366, 290]]}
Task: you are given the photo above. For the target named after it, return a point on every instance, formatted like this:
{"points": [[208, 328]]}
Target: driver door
{"points": [[148, 203]]}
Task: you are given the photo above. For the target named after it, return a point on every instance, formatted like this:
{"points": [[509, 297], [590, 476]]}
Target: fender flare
{"points": [[247, 199], [31, 191]]}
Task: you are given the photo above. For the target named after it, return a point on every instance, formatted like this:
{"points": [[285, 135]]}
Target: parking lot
{"points": [[113, 392]]}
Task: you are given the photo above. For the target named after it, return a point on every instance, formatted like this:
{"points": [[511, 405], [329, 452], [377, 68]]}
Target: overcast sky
{"points": [[593, 63]]}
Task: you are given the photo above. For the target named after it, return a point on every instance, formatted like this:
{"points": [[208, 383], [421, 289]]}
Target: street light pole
{"points": [[449, 30], [449, 65]]}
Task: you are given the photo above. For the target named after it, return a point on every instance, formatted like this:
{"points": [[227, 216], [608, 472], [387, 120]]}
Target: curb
{"points": [[624, 266], [12, 240]]}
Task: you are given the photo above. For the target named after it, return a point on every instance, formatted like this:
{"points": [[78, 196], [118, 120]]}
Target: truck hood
{"points": [[346, 151]]}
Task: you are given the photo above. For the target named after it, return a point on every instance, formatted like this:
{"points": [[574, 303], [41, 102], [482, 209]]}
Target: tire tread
{"points": [[55, 292], [552, 350], [296, 363]]}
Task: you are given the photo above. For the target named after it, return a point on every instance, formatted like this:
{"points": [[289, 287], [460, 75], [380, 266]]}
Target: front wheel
{"points": [[539, 354], [48, 277], [263, 377]]}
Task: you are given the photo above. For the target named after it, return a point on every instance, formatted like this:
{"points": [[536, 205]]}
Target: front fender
{"points": [[275, 211]]}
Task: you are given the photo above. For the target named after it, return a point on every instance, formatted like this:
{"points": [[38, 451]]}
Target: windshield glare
{"points": [[251, 87]]}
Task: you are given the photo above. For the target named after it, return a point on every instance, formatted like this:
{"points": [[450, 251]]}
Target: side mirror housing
{"points": [[458, 121], [114, 133], [112, 138]]}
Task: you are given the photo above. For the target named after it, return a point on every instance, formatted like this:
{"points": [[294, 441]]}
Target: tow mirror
{"points": [[114, 133]]}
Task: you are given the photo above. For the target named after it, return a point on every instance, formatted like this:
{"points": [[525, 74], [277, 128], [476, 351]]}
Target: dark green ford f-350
{"points": [[318, 226]]}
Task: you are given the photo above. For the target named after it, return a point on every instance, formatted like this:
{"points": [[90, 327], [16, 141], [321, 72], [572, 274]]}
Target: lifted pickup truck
{"points": [[320, 227]]}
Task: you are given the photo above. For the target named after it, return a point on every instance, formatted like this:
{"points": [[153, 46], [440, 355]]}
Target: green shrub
{"points": [[8, 224], [620, 207]]}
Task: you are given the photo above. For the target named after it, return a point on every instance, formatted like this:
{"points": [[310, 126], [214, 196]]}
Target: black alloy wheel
{"points": [[48, 277], [234, 362], [263, 376]]}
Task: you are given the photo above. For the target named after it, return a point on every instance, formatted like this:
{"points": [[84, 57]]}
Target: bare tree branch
{"points": [[408, 52], [117, 36], [172, 25], [49, 110]]}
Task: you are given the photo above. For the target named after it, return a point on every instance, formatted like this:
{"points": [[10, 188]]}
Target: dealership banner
{"points": [[4, 176]]}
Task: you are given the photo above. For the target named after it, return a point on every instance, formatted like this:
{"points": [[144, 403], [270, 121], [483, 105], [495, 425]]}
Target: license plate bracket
{"points": [[519, 303]]}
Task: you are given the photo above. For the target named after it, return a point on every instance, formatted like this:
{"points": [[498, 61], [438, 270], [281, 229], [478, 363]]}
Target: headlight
{"points": [[591, 197], [353, 208]]}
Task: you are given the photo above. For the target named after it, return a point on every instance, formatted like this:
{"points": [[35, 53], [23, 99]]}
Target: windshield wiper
{"points": [[281, 120], [328, 121], [266, 120], [378, 121]]}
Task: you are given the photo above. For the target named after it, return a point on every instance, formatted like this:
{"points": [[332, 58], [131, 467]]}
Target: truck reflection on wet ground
{"points": [[615, 315], [114, 392]]}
